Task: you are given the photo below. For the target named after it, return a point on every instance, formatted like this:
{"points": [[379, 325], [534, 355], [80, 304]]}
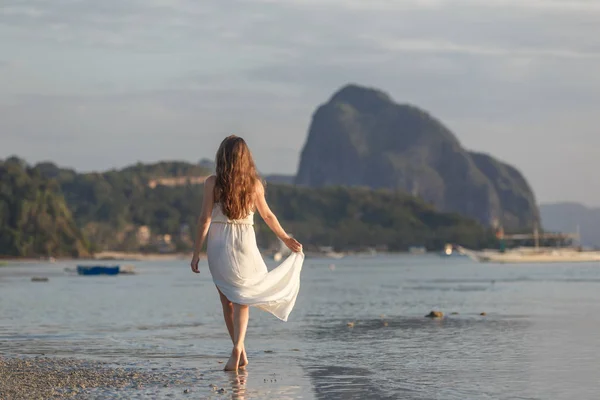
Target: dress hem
{"points": [[257, 305]]}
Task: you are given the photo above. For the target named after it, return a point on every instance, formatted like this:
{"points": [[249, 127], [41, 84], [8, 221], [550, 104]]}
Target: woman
{"points": [[235, 263]]}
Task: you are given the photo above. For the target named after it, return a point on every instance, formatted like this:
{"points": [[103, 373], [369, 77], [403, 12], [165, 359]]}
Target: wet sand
{"points": [[32, 378], [46, 378], [42, 378]]}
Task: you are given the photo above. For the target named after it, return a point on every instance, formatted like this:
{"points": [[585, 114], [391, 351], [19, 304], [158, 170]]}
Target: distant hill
{"points": [[34, 217], [280, 179], [112, 206], [361, 137], [566, 217]]}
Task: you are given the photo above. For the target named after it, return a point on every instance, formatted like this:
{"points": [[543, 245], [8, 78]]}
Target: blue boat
{"points": [[97, 270]]}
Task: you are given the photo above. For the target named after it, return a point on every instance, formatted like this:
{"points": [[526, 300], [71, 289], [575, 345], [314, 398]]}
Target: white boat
{"points": [[536, 254], [334, 254], [329, 252], [533, 255]]}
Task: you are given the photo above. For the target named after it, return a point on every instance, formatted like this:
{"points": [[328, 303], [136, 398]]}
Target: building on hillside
{"points": [[177, 181], [143, 235]]}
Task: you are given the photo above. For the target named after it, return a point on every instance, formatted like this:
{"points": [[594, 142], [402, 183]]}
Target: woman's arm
{"points": [[272, 221], [204, 220]]}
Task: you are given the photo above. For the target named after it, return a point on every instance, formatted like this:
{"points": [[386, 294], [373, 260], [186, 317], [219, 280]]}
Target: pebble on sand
{"points": [[435, 314]]}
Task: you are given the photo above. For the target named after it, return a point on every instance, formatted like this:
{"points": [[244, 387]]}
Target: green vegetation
{"points": [[34, 217], [360, 218], [111, 207]]}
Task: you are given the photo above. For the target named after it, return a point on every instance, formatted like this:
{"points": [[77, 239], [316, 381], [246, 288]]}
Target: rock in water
{"points": [[435, 314], [361, 137]]}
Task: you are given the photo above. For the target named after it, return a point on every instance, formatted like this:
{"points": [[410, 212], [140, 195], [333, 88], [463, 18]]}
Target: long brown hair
{"points": [[236, 178]]}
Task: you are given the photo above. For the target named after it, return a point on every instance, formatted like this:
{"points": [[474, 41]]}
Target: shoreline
{"points": [[138, 256], [124, 256], [104, 256]]}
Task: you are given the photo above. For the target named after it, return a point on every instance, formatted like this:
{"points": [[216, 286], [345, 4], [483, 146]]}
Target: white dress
{"points": [[240, 273]]}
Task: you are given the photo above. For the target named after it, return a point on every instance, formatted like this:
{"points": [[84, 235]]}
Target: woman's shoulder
{"points": [[259, 186], [210, 180]]}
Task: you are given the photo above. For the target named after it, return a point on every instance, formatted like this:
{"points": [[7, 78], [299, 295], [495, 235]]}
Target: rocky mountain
{"points": [[567, 217], [361, 137]]}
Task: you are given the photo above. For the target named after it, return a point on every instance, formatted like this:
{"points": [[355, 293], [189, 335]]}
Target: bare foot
{"points": [[234, 360], [243, 359]]}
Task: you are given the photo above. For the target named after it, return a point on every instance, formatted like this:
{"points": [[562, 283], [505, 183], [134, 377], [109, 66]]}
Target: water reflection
{"points": [[237, 384], [351, 383]]}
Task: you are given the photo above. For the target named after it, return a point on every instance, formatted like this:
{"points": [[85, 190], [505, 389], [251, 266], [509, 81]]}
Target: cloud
{"points": [[8, 64], [269, 30], [169, 77], [386, 5], [445, 47]]}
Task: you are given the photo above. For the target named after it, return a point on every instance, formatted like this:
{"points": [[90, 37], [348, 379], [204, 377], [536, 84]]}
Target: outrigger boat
{"points": [[536, 254]]}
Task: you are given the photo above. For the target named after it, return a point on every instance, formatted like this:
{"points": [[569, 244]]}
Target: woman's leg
{"points": [[241, 314], [228, 316], [227, 313]]}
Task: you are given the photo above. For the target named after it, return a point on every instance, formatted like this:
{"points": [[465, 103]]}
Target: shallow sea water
{"points": [[540, 338]]}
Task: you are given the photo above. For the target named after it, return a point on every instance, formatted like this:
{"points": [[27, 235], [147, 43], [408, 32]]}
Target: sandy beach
{"points": [[119, 255], [44, 378], [106, 255]]}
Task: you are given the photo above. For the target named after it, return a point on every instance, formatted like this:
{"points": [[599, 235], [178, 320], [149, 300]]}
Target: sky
{"points": [[95, 85]]}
